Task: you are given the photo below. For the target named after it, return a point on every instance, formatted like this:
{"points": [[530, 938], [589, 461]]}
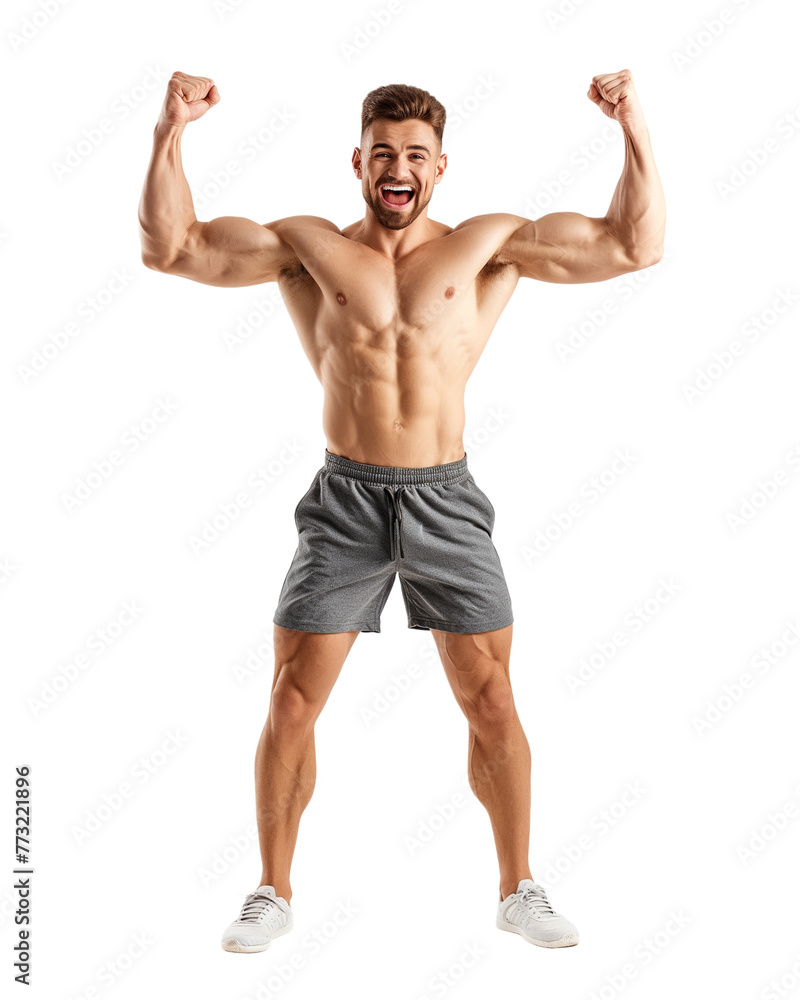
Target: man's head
{"points": [[401, 145]]}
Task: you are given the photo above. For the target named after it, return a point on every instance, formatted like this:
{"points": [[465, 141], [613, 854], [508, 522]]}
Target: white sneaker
{"points": [[528, 912], [264, 916]]}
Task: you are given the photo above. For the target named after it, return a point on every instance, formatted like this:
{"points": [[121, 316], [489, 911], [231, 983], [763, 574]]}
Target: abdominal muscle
{"points": [[393, 402]]}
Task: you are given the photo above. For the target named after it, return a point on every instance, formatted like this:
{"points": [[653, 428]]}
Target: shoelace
{"points": [[537, 898], [256, 907]]}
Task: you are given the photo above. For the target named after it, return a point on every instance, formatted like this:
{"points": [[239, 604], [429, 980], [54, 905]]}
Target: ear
{"points": [[441, 166], [356, 160]]}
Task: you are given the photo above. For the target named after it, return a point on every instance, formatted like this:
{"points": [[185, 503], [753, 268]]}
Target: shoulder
{"points": [[501, 224], [300, 223], [299, 235], [496, 231]]}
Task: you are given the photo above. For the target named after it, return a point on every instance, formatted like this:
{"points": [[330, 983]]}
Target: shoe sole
{"points": [[232, 944], [565, 941]]}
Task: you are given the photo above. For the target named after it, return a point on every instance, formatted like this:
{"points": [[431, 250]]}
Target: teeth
{"points": [[394, 187]]}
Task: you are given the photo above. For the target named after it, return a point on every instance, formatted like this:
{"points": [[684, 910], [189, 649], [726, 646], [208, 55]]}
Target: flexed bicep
{"points": [[568, 247], [230, 252]]}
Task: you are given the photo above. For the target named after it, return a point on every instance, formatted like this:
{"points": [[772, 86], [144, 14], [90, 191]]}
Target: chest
{"points": [[369, 292]]}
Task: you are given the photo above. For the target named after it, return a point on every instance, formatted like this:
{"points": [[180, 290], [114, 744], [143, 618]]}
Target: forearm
{"points": [[166, 211], [637, 214]]}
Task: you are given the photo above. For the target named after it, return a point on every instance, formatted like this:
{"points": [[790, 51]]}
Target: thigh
{"points": [[310, 662], [472, 662]]}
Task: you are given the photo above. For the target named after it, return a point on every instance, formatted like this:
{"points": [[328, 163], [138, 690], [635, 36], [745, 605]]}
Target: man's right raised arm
{"points": [[229, 251]]}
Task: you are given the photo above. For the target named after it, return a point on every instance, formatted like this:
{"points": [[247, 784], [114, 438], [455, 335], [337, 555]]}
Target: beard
{"points": [[392, 218]]}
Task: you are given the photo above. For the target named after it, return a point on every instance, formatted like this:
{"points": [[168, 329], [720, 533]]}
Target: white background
{"points": [[716, 97]]}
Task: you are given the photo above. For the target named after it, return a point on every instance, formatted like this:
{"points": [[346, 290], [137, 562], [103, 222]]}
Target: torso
{"points": [[394, 342]]}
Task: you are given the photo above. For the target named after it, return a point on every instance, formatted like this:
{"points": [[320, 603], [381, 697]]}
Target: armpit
{"points": [[497, 263], [294, 271]]}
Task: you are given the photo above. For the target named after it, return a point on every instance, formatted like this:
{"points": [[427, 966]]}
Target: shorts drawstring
{"points": [[395, 505]]}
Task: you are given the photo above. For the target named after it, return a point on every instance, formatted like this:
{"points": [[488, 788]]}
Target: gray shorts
{"points": [[360, 525]]}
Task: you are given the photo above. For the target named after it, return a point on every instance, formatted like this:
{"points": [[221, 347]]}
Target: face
{"points": [[398, 154]]}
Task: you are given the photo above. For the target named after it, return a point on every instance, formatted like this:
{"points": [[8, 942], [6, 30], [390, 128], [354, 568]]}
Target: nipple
{"points": [[341, 299], [450, 292]]}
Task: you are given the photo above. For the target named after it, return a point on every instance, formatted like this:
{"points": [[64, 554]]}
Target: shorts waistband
{"points": [[449, 472]]}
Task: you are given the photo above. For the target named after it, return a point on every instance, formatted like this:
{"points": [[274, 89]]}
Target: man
{"points": [[393, 312]]}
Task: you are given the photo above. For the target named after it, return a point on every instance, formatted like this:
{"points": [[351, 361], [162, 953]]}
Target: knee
{"points": [[492, 706], [290, 707]]}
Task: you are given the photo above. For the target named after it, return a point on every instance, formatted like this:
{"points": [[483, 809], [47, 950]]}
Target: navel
{"points": [[341, 298], [450, 292]]}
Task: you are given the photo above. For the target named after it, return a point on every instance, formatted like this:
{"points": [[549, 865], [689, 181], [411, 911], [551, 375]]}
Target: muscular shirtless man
{"points": [[393, 312]]}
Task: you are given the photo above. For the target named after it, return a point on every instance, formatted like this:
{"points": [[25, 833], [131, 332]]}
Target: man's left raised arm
{"points": [[569, 247]]}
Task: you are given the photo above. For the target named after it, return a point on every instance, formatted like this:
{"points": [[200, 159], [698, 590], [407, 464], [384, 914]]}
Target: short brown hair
{"points": [[398, 102]]}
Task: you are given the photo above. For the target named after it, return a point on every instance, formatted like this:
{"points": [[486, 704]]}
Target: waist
{"points": [[399, 475]]}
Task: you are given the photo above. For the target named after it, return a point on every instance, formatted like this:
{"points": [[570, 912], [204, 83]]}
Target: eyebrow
{"points": [[385, 145]]}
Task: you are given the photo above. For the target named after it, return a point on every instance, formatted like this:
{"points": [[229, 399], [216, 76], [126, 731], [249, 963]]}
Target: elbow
{"points": [[157, 261], [154, 263], [641, 257], [156, 253]]}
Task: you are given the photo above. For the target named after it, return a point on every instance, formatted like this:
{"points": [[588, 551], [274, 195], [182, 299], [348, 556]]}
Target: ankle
{"points": [[284, 891], [509, 888]]}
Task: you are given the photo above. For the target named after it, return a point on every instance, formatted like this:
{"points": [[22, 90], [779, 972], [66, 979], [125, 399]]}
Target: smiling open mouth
{"points": [[397, 195]]}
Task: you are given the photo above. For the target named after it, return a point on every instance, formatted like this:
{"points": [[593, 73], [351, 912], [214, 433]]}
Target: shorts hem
{"points": [[460, 628], [328, 627]]}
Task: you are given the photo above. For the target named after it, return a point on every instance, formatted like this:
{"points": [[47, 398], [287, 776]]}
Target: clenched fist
{"points": [[188, 98], [616, 97]]}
